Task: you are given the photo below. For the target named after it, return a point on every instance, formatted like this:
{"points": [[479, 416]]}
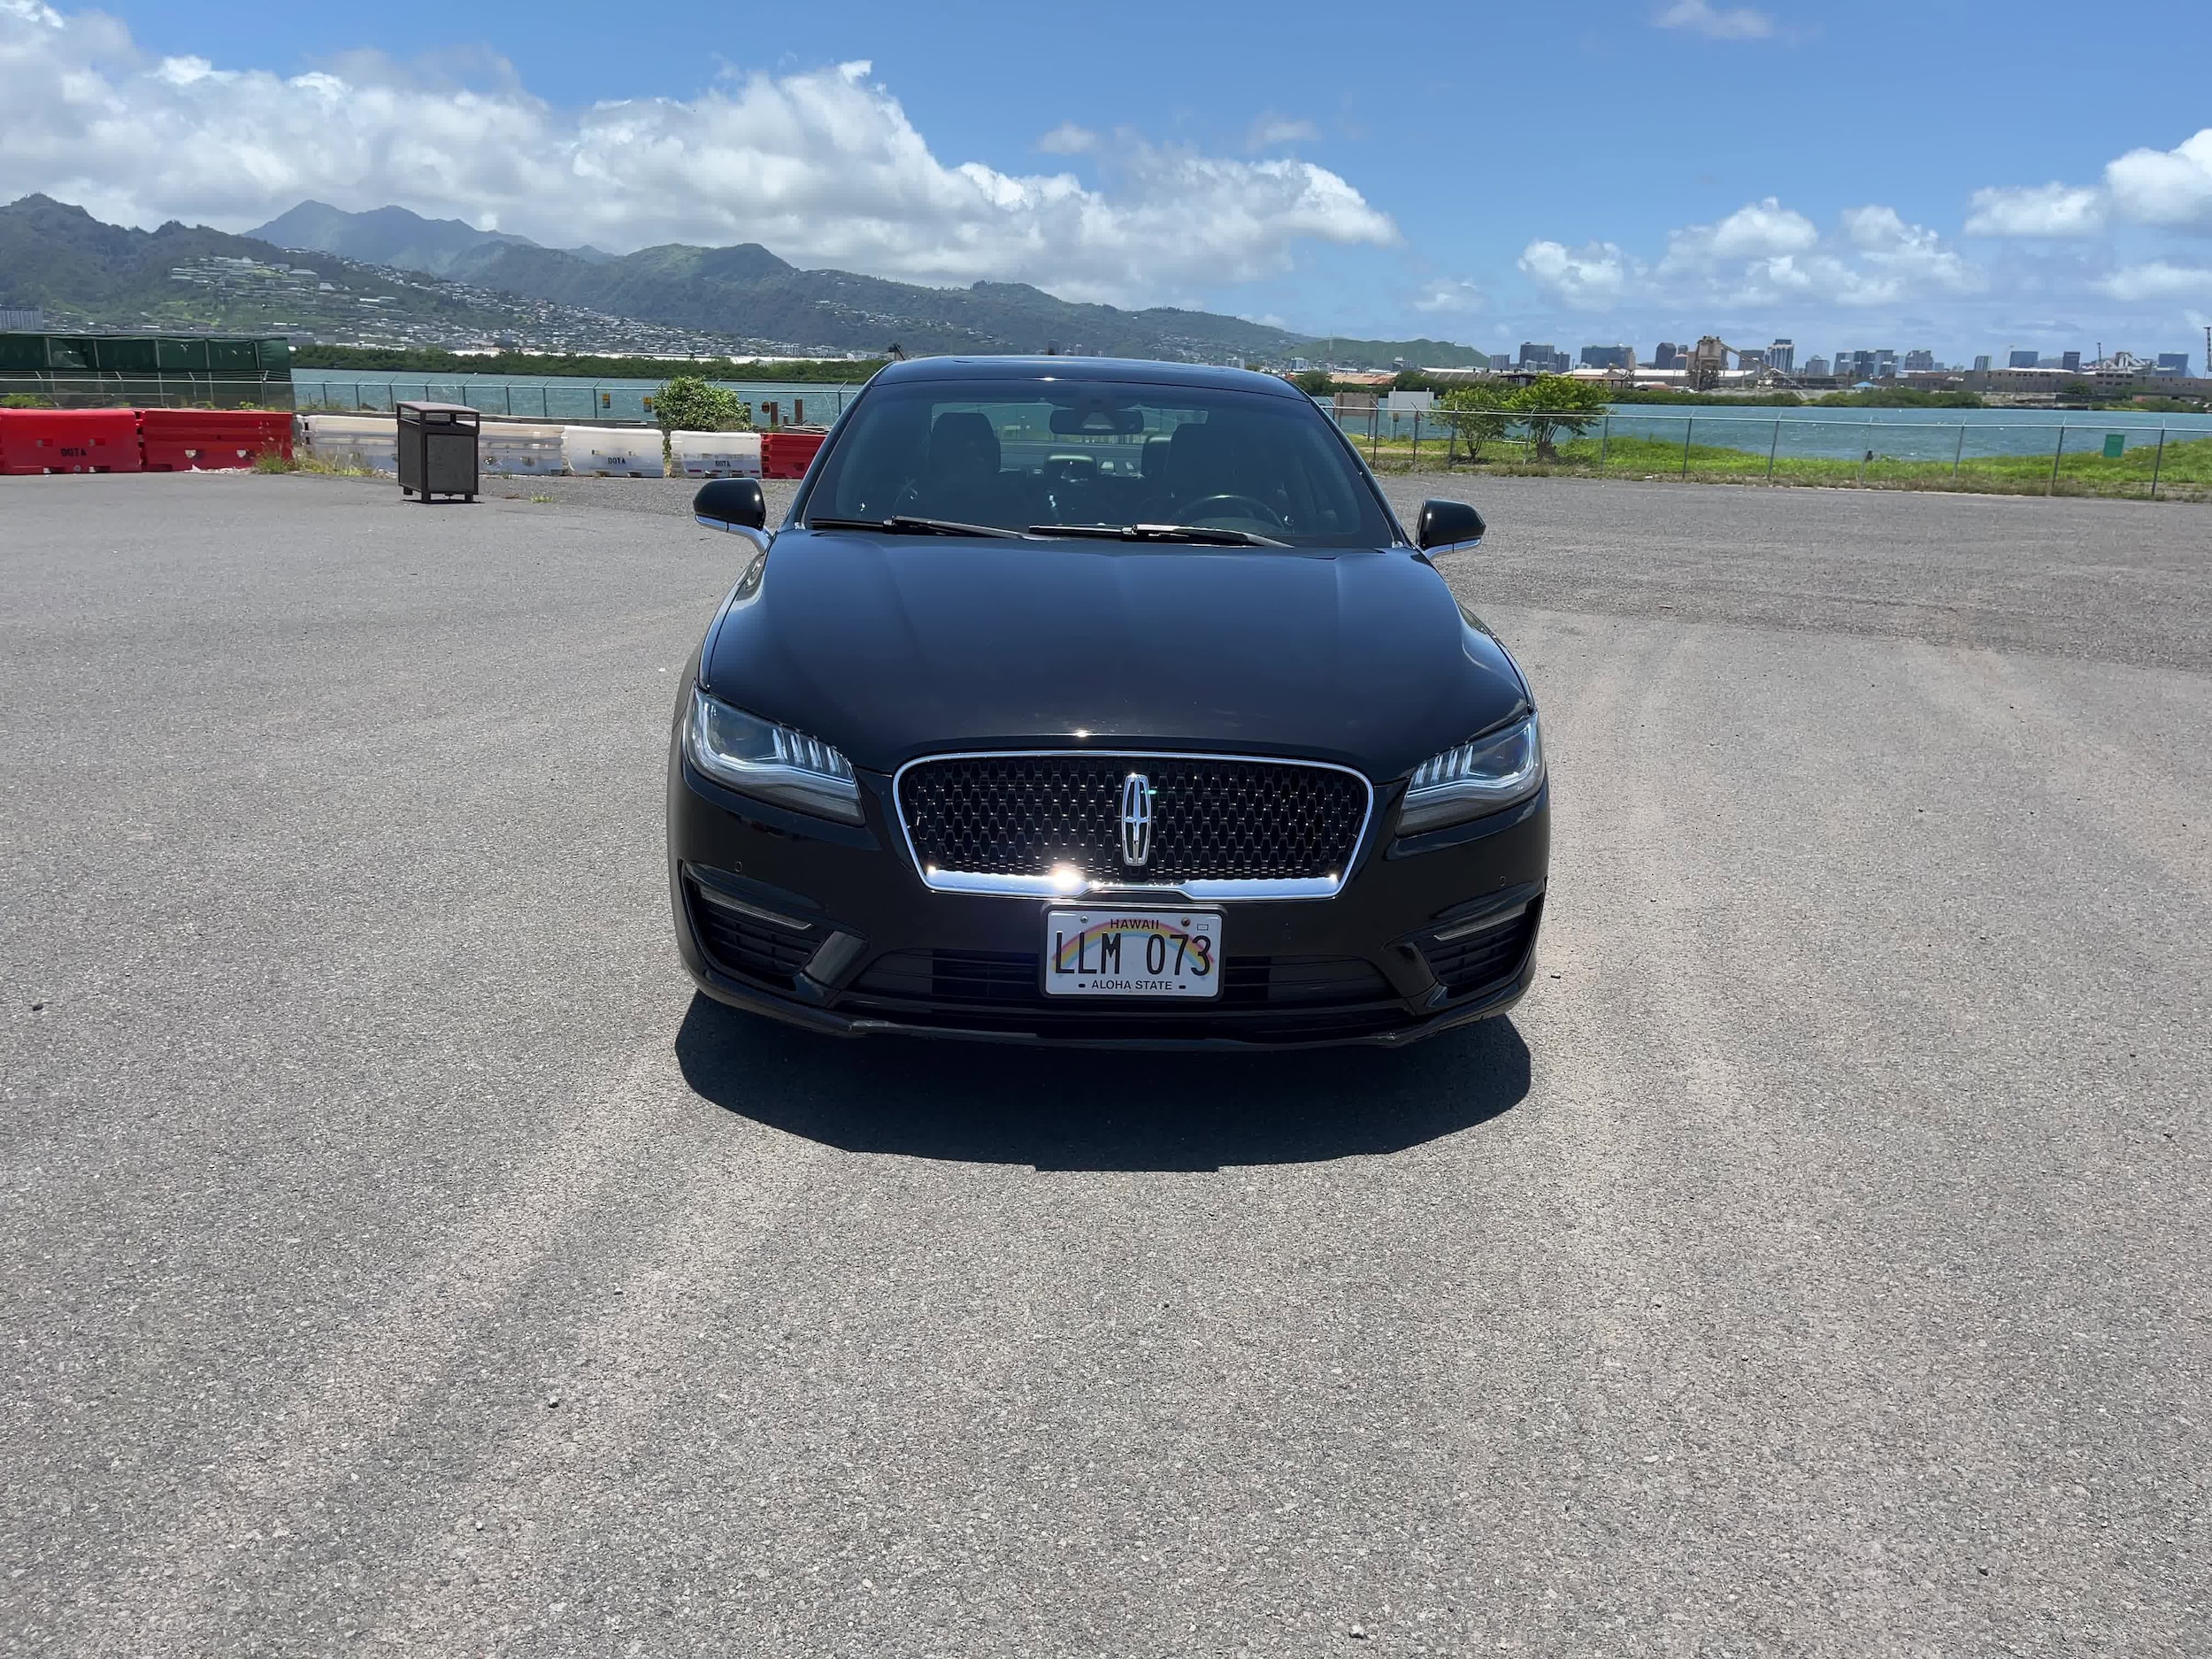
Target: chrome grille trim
{"points": [[1014, 885]]}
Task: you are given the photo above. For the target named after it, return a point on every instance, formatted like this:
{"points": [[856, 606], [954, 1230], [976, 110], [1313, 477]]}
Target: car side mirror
{"points": [[730, 503], [1442, 524]]}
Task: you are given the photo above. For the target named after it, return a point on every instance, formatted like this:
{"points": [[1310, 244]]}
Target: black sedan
{"points": [[1083, 701]]}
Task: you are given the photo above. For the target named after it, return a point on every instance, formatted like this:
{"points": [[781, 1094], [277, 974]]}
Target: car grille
{"points": [[1468, 962], [1214, 818]]}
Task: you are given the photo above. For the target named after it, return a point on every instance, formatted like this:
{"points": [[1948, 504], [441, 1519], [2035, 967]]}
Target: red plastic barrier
{"points": [[206, 440], [788, 454], [68, 441]]}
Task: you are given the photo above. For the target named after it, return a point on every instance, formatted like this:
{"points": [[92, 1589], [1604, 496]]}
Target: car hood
{"points": [[893, 647]]}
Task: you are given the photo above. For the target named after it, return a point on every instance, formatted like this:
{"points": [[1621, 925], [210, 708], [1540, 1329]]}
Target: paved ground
{"points": [[2105, 580], [395, 1258]]}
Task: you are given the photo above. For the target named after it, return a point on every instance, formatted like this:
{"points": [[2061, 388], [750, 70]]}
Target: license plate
{"points": [[1133, 953]]}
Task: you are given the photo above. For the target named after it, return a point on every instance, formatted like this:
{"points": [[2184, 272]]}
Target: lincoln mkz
{"points": [[1090, 701]]}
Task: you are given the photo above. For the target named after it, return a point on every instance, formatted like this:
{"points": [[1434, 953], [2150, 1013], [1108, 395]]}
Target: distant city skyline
{"points": [[1780, 354]]}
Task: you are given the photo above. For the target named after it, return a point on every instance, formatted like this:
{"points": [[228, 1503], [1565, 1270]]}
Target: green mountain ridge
{"points": [[85, 273], [746, 289]]}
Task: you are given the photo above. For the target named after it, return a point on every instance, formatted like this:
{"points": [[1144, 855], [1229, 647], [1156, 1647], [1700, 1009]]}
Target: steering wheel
{"points": [[1225, 505]]}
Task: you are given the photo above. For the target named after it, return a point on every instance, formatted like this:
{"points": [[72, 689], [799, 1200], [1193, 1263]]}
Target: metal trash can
{"points": [[437, 449]]}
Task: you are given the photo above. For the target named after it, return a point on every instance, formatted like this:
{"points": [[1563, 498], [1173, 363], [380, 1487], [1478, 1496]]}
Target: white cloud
{"points": [[1735, 23], [1763, 255], [1452, 294], [2159, 280], [822, 166], [1880, 228], [2165, 187], [1594, 277], [1068, 139], [2053, 209], [1758, 230], [1270, 132], [1898, 260]]}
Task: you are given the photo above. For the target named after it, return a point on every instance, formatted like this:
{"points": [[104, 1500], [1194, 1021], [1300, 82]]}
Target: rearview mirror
{"points": [[730, 503], [1448, 524], [1097, 418]]}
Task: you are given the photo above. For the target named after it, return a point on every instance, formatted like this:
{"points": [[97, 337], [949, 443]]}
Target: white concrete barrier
{"points": [[716, 454], [366, 441], [614, 451], [511, 446]]}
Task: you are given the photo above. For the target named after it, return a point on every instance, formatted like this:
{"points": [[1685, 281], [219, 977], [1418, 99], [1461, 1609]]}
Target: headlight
{"points": [[758, 758], [1474, 779]]}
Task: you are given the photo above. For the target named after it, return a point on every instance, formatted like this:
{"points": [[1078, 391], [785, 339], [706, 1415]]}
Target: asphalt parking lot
{"points": [[397, 1258]]}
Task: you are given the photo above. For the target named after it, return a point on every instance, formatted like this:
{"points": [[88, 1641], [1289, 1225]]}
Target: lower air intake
{"points": [[746, 947], [1485, 956]]}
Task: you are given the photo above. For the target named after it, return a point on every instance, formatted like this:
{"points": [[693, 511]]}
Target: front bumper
{"points": [[830, 926]]}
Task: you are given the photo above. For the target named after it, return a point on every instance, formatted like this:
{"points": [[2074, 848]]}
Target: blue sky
{"points": [[1962, 177]]}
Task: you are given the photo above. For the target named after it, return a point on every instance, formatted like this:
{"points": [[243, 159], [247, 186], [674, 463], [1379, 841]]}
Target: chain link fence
{"points": [[166, 390], [2127, 457], [626, 402]]}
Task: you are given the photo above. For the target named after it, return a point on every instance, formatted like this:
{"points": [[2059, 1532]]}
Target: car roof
{"points": [[1129, 370]]}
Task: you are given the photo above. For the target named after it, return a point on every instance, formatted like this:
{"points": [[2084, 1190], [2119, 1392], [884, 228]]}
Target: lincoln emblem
{"points": [[1136, 820]]}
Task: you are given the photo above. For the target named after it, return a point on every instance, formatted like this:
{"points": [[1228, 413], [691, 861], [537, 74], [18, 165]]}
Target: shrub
{"points": [[688, 404], [1553, 404], [1476, 414]]}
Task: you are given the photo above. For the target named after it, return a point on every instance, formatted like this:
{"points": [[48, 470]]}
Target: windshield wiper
{"points": [[906, 524], [1203, 533]]}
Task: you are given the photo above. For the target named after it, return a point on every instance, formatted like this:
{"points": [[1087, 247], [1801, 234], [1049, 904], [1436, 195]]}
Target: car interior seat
{"points": [[962, 479], [1199, 463]]}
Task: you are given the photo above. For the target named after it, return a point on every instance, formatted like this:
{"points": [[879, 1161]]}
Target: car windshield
{"points": [[1156, 463]]}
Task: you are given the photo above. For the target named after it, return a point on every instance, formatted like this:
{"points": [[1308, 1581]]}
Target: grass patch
{"points": [[2184, 473], [348, 467]]}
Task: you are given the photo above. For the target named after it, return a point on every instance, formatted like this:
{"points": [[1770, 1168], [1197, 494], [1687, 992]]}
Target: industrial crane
{"points": [[1708, 358]]}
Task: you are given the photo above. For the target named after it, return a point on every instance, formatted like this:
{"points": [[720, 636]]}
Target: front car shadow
{"points": [[1078, 1108]]}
